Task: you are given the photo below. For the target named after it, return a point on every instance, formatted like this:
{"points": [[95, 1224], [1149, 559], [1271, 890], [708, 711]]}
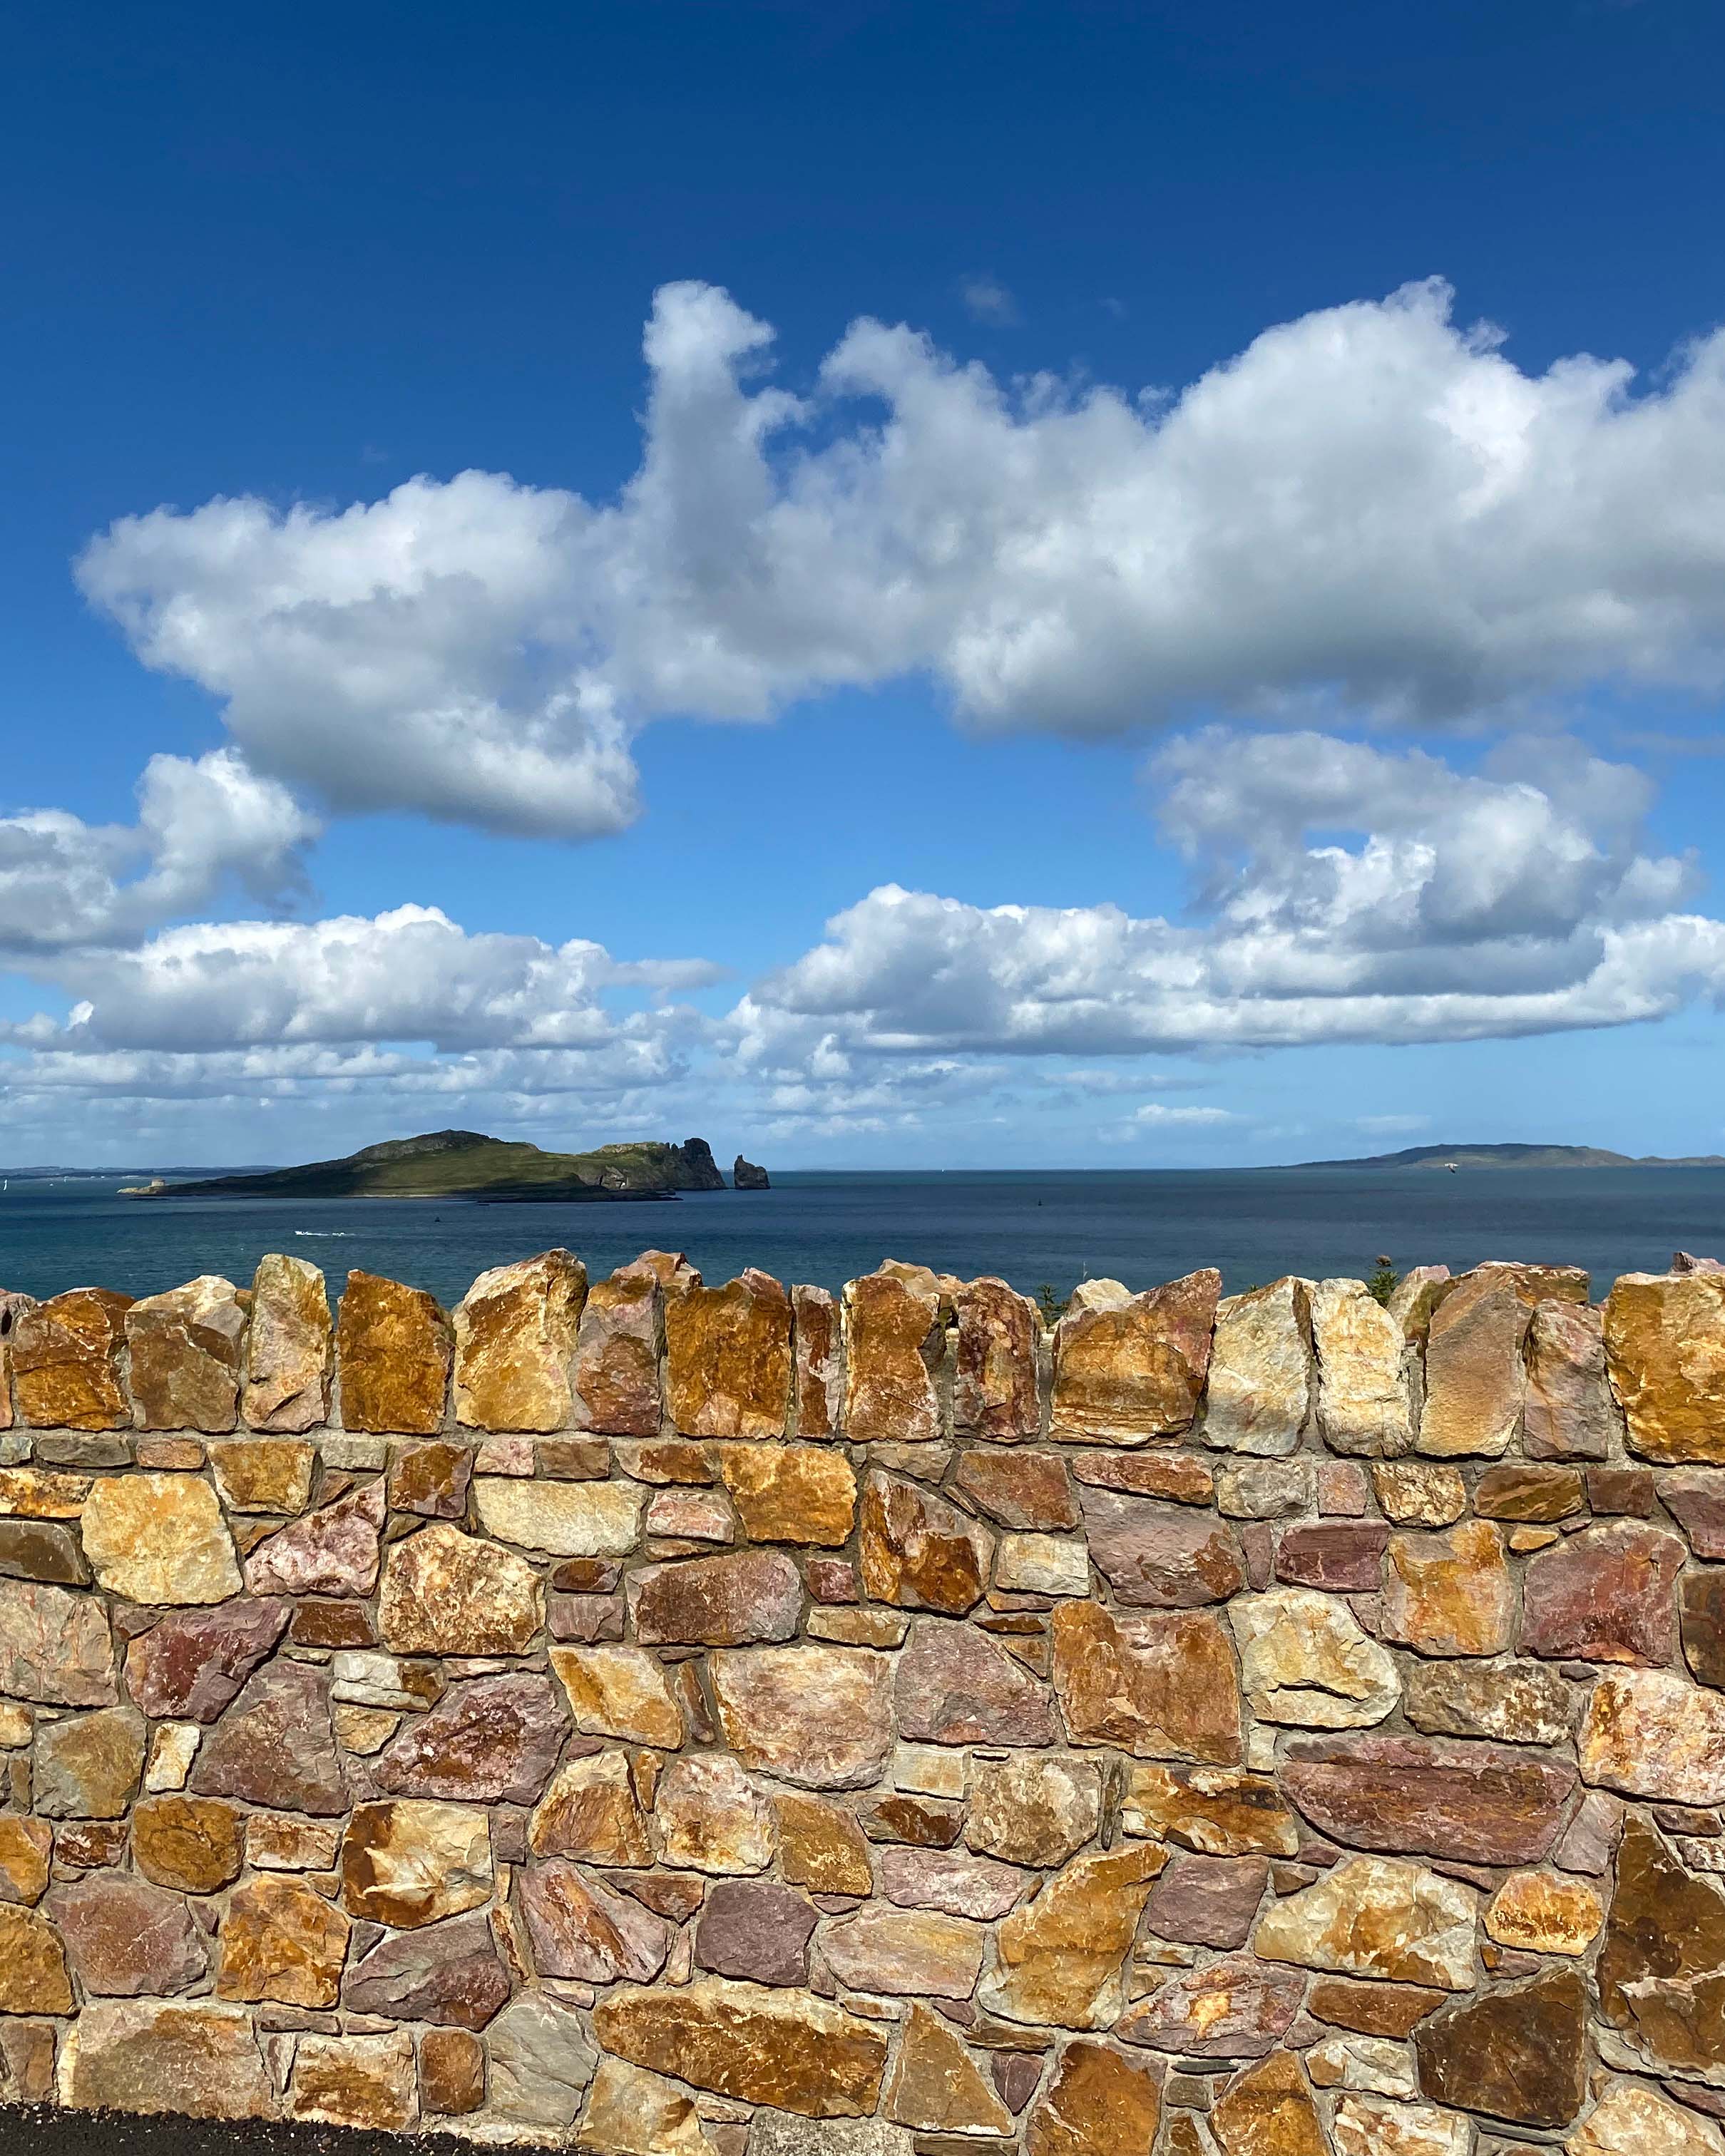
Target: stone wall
{"points": [[663, 1718]]}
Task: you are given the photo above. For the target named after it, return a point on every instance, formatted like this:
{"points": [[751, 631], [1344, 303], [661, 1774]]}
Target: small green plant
{"points": [[1382, 1281], [1051, 1303]]}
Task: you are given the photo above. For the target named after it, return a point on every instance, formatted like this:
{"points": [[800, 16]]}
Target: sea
{"points": [[1050, 1229]]}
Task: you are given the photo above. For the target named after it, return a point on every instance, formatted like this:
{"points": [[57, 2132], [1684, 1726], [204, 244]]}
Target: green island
{"points": [[469, 1164], [1517, 1156]]}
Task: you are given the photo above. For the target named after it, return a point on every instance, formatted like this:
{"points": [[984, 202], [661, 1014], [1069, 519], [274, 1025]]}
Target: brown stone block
{"points": [[41, 1550], [1135, 1371], [264, 1474], [994, 1392], [817, 1715], [1268, 2111], [1059, 1960], [452, 2073], [88, 1765], [1519, 2054], [1525, 1490], [195, 1844], [65, 1361], [1665, 1346], [125, 1937], [1626, 1490], [447, 1593], [1184, 1478], [515, 1344], [32, 1964], [1605, 1595], [287, 1357], [728, 1362], [895, 1335], [333, 1551], [1161, 1557], [1161, 1687], [26, 1845], [1371, 2010], [727, 1601], [274, 1745], [819, 1355], [918, 1551], [1470, 1804], [784, 2049], [184, 1356], [393, 1348], [186, 2055], [55, 1647], [1342, 1556], [791, 1493], [411, 1861], [619, 1345], [447, 1974], [1449, 1593]]}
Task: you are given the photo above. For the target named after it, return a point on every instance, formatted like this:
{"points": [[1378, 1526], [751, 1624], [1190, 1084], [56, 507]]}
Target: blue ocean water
{"points": [[1141, 1226]]}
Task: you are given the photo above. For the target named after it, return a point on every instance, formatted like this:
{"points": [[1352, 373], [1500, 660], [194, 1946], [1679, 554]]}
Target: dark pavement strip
{"points": [[39, 2130]]}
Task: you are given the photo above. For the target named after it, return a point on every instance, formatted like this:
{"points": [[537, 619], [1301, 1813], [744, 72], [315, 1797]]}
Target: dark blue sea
{"points": [[1140, 1226]]}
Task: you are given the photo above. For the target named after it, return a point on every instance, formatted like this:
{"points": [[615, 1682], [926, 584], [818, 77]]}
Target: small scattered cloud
{"points": [[987, 300]]}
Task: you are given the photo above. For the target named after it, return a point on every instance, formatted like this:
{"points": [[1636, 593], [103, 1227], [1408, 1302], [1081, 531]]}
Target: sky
{"points": [[894, 585]]}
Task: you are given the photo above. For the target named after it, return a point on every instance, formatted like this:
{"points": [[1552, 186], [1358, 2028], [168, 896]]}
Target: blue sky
{"points": [[1156, 594]]}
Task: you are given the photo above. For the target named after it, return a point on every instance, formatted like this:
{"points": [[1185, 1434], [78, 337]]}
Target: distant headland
{"points": [[469, 1164], [1514, 1156]]}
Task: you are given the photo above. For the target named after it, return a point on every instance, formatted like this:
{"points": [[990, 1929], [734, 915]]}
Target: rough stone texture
{"points": [[1650, 1733], [819, 1377], [1059, 1959], [25, 1847], [540, 2063], [919, 1551], [54, 1647], [1098, 2102], [1518, 2054], [1126, 1374], [1236, 2007], [820, 1716], [1262, 1377], [89, 1765], [580, 1929], [392, 1351], [591, 1811], [936, 2084], [1375, 1917], [183, 1354], [1449, 1593], [1665, 1347], [355, 2080], [1545, 1915], [1161, 1557], [281, 1940], [1605, 1595], [493, 1741], [728, 1358], [1519, 1703], [791, 1493], [955, 1685], [711, 1817], [275, 1746], [447, 1593], [904, 1952], [287, 1362], [196, 1845], [565, 1519], [447, 1974], [742, 1598], [1631, 2119], [1161, 1687], [631, 2112], [153, 2055], [1364, 1406], [413, 1860], [159, 1539], [264, 1474], [618, 1344], [785, 2049], [1472, 1803], [65, 1358], [513, 1804], [1476, 1380], [1305, 1661], [193, 1663], [515, 1344], [335, 1552]]}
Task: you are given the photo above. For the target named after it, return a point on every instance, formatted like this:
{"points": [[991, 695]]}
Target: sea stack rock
{"points": [[698, 1170], [746, 1175]]}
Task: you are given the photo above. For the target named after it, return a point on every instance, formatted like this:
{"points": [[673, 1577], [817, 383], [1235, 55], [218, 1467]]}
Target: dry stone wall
{"points": [[659, 1718]]}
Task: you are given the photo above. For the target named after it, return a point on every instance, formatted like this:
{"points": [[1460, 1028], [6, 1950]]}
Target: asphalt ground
{"points": [[38, 2130]]}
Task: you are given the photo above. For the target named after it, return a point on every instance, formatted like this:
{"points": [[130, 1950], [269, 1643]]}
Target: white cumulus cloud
{"points": [[1370, 504]]}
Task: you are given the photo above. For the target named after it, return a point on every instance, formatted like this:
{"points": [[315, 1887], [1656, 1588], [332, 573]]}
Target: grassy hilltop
{"points": [[469, 1164]]}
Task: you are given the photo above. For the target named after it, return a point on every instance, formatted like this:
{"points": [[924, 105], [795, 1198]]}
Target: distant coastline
{"points": [[1442, 1157]]}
